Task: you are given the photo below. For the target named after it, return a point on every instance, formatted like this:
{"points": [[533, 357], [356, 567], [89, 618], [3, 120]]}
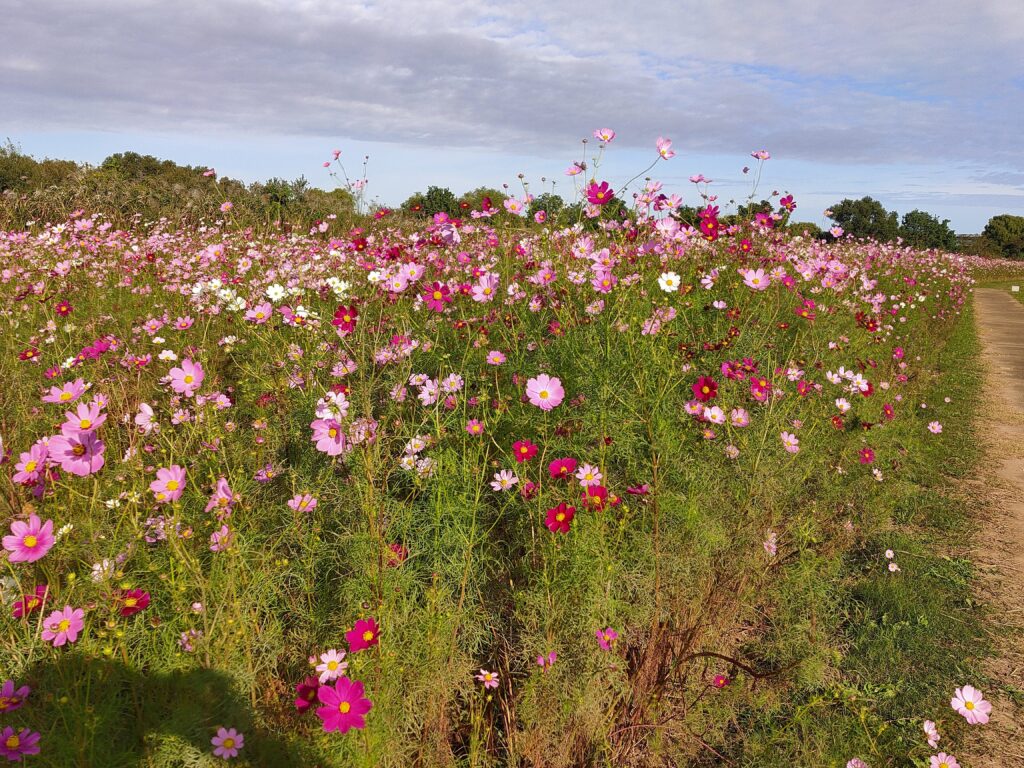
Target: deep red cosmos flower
{"points": [[559, 518], [705, 389], [345, 318]]}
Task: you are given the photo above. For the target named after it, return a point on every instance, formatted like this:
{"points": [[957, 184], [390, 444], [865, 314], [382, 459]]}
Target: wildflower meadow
{"points": [[498, 490]]}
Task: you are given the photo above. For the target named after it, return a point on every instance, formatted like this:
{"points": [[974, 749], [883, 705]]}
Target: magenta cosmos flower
{"points": [[545, 392], [169, 484], [559, 518], [344, 705], [12, 698], [364, 634], [305, 693], [63, 626], [606, 638], [436, 296], [227, 742], [562, 467], [14, 744], [86, 418], [29, 541], [599, 194], [188, 378], [67, 393], [79, 454], [970, 702], [489, 679]]}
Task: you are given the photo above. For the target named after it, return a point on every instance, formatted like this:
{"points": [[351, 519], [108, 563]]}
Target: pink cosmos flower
{"points": [[942, 760], [80, 454], [63, 626], [589, 475], [344, 705], [188, 378], [489, 679], [31, 465], [302, 502], [12, 698], [222, 497], [856, 762], [86, 418], [67, 393], [604, 134], [494, 357], [363, 635], [760, 154], [935, 427], [227, 742], [606, 638], [29, 541], [665, 148], [260, 313], [15, 744], [523, 450], [329, 436], [474, 427], [222, 539], [932, 733], [545, 392], [169, 484], [970, 702]]}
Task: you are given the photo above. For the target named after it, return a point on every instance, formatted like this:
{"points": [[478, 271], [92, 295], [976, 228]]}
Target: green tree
{"points": [[922, 230], [1006, 234], [866, 218]]}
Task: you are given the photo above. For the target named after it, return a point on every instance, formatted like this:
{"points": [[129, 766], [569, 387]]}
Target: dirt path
{"points": [[999, 554]]}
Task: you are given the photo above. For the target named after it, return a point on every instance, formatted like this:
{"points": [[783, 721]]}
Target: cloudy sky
{"points": [[920, 105]]}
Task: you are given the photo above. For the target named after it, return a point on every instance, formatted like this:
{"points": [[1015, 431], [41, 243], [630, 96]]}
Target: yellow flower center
{"points": [[65, 625], [705, 389], [30, 466], [347, 318], [172, 485], [84, 424], [560, 517], [344, 707], [131, 602], [78, 450], [332, 432], [188, 379], [65, 396], [438, 295], [228, 743], [332, 665], [303, 504], [30, 541], [13, 742], [969, 704], [368, 635], [544, 394]]}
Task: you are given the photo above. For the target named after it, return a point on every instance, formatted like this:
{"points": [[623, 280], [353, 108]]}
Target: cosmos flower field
{"points": [[458, 492]]}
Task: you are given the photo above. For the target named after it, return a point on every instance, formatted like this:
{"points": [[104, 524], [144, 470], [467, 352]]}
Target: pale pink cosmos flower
{"points": [[970, 702], [489, 679], [494, 357], [222, 497], [791, 442], [504, 480], [63, 626], [589, 475], [329, 436], [604, 134], [227, 742], [931, 733], [302, 502], [188, 378], [86, 418], [771, 543], [942, 760], [332, 665], [260, 313], [31, 464], [545, 392], [935, 427], [29, 541], [756, 279], [144, 418], [169, 484], [760, 154], [856, 762], [665, 148]]}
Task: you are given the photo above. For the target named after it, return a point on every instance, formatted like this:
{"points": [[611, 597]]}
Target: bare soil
{"points": [[999, 548]]}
